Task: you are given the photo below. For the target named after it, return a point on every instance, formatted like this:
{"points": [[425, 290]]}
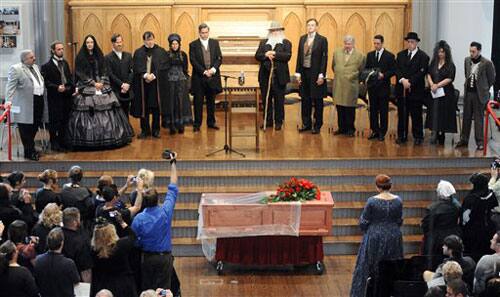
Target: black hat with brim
{"points": [[412, 35]]}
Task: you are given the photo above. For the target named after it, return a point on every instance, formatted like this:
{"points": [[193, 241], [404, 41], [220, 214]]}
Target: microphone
{"points": [[241, 78], [72, 43]]}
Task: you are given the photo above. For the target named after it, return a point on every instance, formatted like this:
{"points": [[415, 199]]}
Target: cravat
{"points": [[61, 69], [409, 55], [34, 74]]}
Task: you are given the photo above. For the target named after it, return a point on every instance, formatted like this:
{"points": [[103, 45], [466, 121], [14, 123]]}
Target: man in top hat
{"points": [[206, 58], [273, 54], [347, 65], [411, 68], [311, 74]]}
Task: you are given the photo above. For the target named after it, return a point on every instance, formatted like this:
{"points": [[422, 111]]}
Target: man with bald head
{"points": [[25, 87]]}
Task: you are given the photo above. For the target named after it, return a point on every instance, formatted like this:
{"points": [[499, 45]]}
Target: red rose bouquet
{"points": [[296, 190]]}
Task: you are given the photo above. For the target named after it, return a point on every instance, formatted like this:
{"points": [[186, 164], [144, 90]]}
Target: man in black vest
{"points": [[311, 74], [60, 87], [120, 75], [382, 65], [206, 58], [147, 100], [411, 68], [274, 52]]}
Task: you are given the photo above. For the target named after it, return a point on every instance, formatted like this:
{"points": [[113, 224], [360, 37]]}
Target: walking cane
{"points": [[405, 116], [267, 94]]}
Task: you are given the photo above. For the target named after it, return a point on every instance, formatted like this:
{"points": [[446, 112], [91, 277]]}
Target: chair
{"points": [[409, 288], [419, 264]]}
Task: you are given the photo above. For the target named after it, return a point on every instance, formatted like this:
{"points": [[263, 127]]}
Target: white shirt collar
{"points": [[413, 52], [380, 52], [205, 42], [311, 35], [119, 54]]}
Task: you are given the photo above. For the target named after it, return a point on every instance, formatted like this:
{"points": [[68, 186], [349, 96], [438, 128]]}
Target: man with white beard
{"points": [[274, 53]]}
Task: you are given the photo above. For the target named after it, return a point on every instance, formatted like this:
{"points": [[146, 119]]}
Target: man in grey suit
{"points": [[479, 77], [25, 88]]}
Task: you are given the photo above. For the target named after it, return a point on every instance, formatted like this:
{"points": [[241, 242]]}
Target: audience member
{"points": [[76, 243], [104, 293], [441, 219], [21, 198], [476, 213], [153, 230], [435, 292], [107, 180], [15, 280], [485, 268], [453, 248], [492, 287], [158, 293], [25, 245], [9, 213], [494, 185], [148, 179], [456, 288], [111, 259], [50, 218], [450, 270], [55, 274], [74, 195], [47, 194]]}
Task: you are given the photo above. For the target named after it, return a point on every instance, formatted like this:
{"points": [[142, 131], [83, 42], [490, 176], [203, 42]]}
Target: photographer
{"points": [[21, 198], [9, 213], [153, 230], [25, 245]]}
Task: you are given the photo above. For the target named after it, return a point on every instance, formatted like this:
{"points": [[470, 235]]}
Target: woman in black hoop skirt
{"points": [[96, 120]]}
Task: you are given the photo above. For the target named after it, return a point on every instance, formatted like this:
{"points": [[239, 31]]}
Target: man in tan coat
{"points": [[347, 65]]}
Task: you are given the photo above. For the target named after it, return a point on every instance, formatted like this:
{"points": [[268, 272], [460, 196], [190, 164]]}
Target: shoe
{"points": [[277, 127], [55, 147], [401, 140], [418, 141], [315, 131], [350, 133], [33, 157], [304, 129], [462, 143], [381, 138], [143, 135], [373, 136], [337, 132], [196, 129], [156, 134], [480, 147], [215, 127]]}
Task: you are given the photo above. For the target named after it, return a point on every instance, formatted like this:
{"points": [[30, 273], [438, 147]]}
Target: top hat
{"points": [[275, 26], [412, 35]]}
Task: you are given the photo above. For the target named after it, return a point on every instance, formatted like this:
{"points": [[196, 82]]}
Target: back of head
{"points": [[15, 178], [451, 271], [75, 174], [458, 286], [148, 293], [109, 192], [55, 239], [51, 215], [383, 182], [445, 190], [104, 293], [71, 215], [105, 180], [104, 239], [150, 198], [48, 175], [492, 287], [7, 251], [454, 243], [18, 231]]}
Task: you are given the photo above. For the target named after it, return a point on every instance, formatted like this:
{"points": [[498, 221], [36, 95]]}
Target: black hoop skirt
{"points": [[97, 122]]}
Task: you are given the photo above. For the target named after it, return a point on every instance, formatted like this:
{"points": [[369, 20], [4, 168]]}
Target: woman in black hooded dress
{"points": [[96, 119]]}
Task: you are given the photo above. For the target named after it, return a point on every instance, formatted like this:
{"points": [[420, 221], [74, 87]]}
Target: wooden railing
{"points": [[490, 112]]}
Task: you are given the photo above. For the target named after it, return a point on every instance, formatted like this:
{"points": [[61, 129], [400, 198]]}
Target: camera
{"points": [[167, 154], [113, 213], [163, 292], [495, 164]]}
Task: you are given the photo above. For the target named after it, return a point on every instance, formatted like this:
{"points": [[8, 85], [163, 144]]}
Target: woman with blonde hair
{"points": [[47, 194], [110, 253], [50, 217]]}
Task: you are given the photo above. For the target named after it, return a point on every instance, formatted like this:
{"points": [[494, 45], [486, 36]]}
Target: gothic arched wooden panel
{"points": [[121, 25], [93, 26], [186, 29], [151, 23], [328, 28], [356, 26], [293, 30], [385, 27]]}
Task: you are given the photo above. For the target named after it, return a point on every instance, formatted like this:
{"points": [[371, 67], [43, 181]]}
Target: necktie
{"points": [[409, 55], [376, 56], [34, 74], [61, 69]]}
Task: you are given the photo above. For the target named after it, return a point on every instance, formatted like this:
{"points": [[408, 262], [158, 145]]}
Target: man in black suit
{"points": [[381, 64], [147, 100], [311, 73], [276, 50], [121, 74], [411, 68], [206, 58], [60, 87]]}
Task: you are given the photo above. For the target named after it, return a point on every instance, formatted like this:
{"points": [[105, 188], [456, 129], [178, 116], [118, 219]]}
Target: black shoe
{"points": [[401, 140], [156, 134], [462, 143], [350, 133], [480, 147], [215, 127], [196, 129], [304, 129], [277, 127], [337, 132], [418, 141], [373, 136], [143, 135], [33, 157], [315, 131], [381, 138]]}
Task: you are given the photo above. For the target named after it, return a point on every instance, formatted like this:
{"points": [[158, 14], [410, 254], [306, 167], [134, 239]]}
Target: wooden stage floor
{"points": [[199, 278], [284, 144]]}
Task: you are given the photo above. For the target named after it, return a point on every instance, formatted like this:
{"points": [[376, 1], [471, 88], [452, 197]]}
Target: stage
{"points": [[286, 144]]}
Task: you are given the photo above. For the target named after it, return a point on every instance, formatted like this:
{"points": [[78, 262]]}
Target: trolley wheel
{"points": [[219, 267], [319, 268]]}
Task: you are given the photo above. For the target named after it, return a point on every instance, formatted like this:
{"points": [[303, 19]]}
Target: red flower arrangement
{"points": [[296, 190]]}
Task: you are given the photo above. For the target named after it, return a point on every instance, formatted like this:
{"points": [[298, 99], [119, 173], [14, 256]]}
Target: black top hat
{"points": [[412, 35]]}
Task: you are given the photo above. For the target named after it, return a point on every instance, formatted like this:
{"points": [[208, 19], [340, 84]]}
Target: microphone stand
{"points": [[226, 147]]}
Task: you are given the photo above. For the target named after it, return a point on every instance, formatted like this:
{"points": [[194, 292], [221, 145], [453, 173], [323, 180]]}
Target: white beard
{"points": [[273, 39]]}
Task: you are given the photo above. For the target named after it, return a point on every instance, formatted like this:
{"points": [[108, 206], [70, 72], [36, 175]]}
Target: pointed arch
{"points": [[328, 27], [293, 30], [92, 25], [356, 26], [385, 26], [121, 25], [151, 23]]}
